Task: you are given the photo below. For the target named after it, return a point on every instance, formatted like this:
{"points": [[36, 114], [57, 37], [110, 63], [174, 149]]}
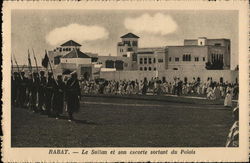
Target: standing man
{"points": [[22, 90], [34, 91], [58, 99], [73, 94], [41, 92], [49, 93]]}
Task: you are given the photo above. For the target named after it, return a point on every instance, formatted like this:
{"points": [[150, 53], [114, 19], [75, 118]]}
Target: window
{"points": [[134, 43], [154, 60], [154, 68], [160, 60], [149, 60], [141, 68], [169, 59], [149, 68], [186, 57], [110, 64], [130, 49], [196, 59], [127, 42], [176, 59], [134, 57], [57, 60], [145, 60], [145, 68], [204, 59], [125, 55], [119, 65], [141, 60]]}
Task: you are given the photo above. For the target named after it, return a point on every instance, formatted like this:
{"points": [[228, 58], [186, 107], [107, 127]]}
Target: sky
{"points": [[98, 31]]}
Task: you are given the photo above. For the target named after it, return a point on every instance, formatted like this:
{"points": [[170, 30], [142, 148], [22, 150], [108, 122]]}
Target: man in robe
{"points": [[73, 94]]}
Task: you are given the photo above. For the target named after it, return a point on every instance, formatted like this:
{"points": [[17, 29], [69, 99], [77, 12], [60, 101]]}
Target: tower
{"points": [[128, 45]]}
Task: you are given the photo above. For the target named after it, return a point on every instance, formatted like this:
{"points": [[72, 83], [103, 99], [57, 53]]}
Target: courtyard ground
{"points": [[133, 121]]}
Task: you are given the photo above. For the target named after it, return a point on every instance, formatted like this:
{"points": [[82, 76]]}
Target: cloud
{"points": [[156, 24], [77, 33]]}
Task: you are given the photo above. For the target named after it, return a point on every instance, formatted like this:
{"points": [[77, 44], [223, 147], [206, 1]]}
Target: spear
{"points": [[18, 67], [51, 67], [35, 59], [16, 64], [29, 61], [12, 68]]}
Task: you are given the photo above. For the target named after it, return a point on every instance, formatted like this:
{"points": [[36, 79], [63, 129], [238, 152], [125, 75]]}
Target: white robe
{"points": [[228, 100]]}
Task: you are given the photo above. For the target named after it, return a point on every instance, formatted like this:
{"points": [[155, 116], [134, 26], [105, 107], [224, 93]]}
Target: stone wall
{"points": [[227, 75]]}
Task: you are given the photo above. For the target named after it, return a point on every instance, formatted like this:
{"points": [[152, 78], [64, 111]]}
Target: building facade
{"points": [[195, 54]]}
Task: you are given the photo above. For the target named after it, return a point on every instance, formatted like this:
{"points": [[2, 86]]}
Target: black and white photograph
{"points": [[108, 78]]}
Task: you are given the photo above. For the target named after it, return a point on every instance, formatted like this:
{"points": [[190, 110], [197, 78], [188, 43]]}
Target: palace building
{"points": [[201, 54]]}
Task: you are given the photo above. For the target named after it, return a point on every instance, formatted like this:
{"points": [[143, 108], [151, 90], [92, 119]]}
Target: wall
{"points": [[194, 51], [228, 75], [157, 53], [76, 60]]}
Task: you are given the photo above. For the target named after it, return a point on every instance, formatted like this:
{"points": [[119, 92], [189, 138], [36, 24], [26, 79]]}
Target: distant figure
{"points": [[144, 86], [228, 99], [73, 94]]}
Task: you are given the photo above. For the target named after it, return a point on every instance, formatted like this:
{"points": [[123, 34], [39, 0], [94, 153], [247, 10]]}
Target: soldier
{"points": [[14, 88], [22, 90], [73, 94], [58, 99], [41, 92], [34, 92], [49, 93]]}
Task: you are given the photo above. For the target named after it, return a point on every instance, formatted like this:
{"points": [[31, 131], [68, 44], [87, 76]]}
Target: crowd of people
{"points": [[45, 94], [49, 95], [211, 89]]}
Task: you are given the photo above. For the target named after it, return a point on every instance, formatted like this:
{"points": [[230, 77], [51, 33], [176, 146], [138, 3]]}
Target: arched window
{"points": [[119, 65], [109, 64], [149, 69], [145, 68], [141, 68], [184, 58]]}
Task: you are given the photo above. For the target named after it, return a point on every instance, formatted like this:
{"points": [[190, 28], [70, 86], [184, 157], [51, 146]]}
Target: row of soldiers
{"points": [[45, 94]]}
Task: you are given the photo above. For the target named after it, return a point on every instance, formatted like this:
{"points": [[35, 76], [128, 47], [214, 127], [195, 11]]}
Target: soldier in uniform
{"points": [[73, 94], [49, 93], [14, 88], [41, 91], [58, 99], [34, 92], [22, 90]]}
